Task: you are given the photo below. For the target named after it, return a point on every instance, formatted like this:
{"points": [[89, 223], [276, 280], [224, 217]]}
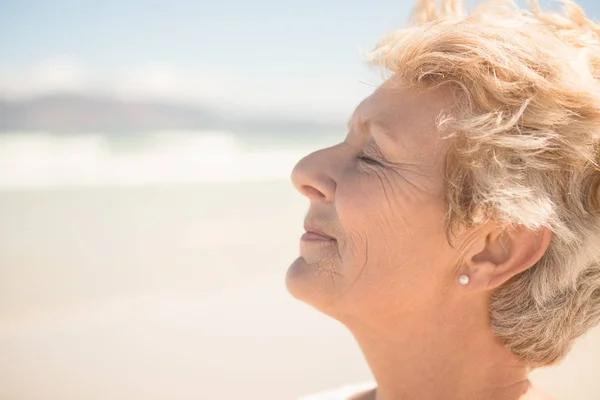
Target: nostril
{"points": [[312, 192]]}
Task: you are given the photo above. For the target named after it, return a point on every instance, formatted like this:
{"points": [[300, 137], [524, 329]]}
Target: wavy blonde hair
{"points": [[525, 143]]}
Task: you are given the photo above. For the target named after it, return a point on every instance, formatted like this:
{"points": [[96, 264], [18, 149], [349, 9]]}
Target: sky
{"points": [[303, 58]]}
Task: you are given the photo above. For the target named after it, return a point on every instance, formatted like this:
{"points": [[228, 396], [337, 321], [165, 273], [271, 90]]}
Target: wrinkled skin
{"points": [[379, 194], [377, 257]]}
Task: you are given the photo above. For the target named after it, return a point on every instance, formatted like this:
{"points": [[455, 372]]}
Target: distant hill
{"points": [[77, 113]]}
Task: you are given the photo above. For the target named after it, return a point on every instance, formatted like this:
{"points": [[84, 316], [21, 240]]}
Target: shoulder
{"points": [[347, 392]]}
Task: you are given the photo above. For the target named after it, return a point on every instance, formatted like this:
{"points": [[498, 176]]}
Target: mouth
{"points": [[315, 234]]}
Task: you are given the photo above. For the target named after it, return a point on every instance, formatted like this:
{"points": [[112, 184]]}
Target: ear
{"points": [[499, 254]]}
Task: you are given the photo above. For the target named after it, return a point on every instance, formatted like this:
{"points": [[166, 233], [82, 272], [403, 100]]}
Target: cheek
{"points": [[374, 205], [371, 215], [389, 224]]}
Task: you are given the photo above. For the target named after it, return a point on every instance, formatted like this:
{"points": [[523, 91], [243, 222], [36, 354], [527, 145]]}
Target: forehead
{"points": [[404, 111]]}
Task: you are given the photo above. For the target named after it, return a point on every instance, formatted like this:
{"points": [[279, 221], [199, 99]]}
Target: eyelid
{"points": [[369, 160], [375, 151]]}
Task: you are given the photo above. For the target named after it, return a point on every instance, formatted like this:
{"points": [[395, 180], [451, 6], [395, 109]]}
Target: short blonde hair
{"points": [[525, 143]]}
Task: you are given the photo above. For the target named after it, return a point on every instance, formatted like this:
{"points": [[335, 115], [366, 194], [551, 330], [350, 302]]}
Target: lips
{"points": [[314, 233]]}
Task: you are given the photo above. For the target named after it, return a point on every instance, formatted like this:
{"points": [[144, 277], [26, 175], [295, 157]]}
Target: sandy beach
{"points": [[177, 292]]}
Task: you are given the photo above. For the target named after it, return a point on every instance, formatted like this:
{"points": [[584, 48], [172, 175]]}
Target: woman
{"points": [[455, 231]]}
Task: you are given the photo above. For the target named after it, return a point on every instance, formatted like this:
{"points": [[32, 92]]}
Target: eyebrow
{"points": [[364, 123], [367, 125]]}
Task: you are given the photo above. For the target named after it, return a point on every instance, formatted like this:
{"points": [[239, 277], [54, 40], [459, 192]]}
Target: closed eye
{"points": [[374, 156], [368, 160]]}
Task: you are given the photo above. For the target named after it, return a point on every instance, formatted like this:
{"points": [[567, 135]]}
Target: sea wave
{"points": [[40, 159]]}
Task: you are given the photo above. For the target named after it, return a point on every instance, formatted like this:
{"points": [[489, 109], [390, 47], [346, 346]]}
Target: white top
{"points": [[342, 393]]}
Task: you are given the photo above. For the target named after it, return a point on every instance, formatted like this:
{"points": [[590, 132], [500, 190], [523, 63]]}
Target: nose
{"points": [[313, 176]]}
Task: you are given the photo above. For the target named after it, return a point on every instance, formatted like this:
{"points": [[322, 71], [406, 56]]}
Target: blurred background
{"points": [[146, 215]]}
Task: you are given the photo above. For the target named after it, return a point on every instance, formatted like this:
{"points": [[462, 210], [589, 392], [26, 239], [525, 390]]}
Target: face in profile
{"points": [[375, 237]]}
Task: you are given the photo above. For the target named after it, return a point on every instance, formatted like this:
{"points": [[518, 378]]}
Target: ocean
{"points": [[40, 159]]}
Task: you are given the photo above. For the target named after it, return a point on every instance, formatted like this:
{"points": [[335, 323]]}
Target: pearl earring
{"points": [[463, 279]]}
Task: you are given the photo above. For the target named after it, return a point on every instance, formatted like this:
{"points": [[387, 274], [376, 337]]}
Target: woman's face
{"points": [[375, 238]]}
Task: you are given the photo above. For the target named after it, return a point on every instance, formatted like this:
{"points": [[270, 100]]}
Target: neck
{"points": [[449, 358]]}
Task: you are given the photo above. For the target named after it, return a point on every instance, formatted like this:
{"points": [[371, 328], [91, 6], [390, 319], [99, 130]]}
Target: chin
{"points": [[307, 283], [299, 279]]}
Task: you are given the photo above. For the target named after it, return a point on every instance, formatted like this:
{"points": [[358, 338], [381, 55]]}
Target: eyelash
{"points": [[368, 160]]}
